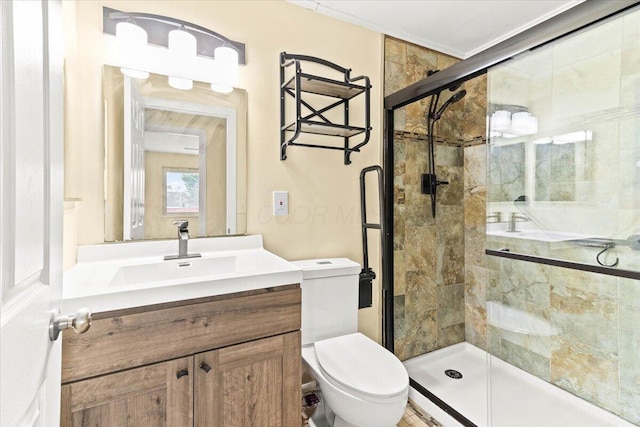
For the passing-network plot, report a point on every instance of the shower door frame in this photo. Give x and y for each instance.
(576, 19)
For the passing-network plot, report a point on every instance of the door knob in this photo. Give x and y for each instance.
(79, 322)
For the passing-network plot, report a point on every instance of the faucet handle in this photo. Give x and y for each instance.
(182, 224)
(496, 215)
(517, 215)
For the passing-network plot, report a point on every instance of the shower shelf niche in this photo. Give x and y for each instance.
(332, 94)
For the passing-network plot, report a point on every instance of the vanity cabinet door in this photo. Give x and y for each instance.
(251, 384)
(154, 395)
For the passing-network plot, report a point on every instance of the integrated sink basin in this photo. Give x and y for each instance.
(540, 235)
(500, 230)
(123, 275)
(180, 269)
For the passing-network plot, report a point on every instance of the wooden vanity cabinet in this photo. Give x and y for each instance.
(147, 396)
(231, 360)
(246, 385)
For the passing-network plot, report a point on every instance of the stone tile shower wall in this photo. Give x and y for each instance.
(429, 254)
(593, 351)
(475, 260)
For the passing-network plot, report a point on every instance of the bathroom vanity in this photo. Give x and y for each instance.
(224, 359)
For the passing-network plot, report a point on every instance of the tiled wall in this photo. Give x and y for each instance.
(475, 195)
(594, 349)
(506, 172)
(429, 253)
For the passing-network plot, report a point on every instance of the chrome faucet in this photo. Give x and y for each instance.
(514, 218)
(183, 240)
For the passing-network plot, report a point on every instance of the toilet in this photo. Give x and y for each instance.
(362, 383)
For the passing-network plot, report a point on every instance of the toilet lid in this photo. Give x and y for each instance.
(358, 363)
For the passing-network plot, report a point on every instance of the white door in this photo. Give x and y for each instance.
(133, 194)
(30, 210)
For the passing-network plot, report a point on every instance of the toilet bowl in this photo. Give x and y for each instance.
(362, 383)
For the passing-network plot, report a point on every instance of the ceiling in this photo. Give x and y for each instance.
(460, 28)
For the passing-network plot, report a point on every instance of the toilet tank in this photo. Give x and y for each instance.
(329, 298)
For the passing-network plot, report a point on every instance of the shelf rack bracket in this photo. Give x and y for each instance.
(316, 122)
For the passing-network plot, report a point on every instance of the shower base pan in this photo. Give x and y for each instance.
(518, 398)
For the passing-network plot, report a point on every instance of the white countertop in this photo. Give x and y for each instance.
(90, 283)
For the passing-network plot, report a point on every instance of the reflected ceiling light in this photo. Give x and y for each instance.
(523, 123)
(131, 42)
(182, 52)
(500, 121)
(573, 137)
(225, 74)
(512, 120)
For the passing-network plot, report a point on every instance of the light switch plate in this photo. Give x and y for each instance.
(280, 203)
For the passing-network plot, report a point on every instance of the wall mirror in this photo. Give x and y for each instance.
(580, 169)
(564, 172)
(506, 173)
(545, 171)
(172, 154)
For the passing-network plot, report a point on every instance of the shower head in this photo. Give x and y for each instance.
(458, 96)
(455, 98)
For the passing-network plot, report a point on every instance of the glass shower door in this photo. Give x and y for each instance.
(563, 204)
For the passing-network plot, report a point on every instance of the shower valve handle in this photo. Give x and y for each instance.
(429, 183)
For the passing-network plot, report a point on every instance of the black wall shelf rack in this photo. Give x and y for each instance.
(337, 94)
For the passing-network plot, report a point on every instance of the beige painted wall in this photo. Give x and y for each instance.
(323, 193)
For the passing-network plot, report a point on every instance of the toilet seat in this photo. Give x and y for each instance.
(361, 366)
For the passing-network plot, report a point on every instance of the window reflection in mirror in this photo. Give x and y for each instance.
(181, 192)
(172, 154)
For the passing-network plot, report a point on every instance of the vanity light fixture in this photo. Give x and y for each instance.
(131, 42)
(500, 121)
(511, 121)
(182, 53)
(523, 123)
(225, 69)
(193, 52)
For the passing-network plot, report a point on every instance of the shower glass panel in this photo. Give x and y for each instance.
(563, 183)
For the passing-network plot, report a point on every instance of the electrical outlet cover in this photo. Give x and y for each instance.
(280, 203)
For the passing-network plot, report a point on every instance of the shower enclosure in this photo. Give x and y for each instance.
(578, 169)
(518, 304)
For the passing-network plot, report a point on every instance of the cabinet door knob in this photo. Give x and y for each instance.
(181, 373)
(205, 367)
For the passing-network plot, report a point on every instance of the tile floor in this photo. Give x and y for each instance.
(413, 416)
(416, 417)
